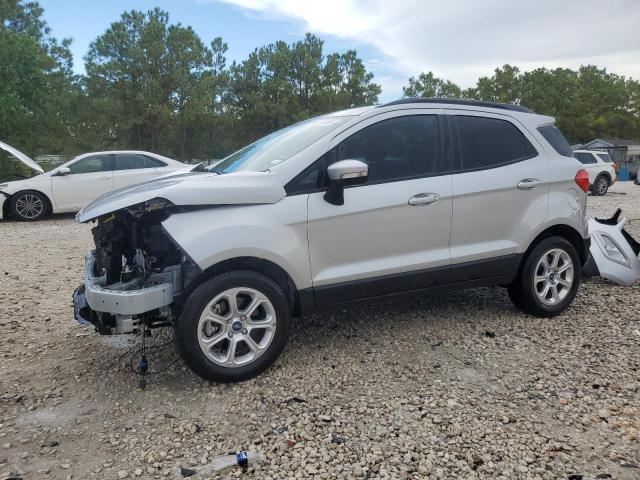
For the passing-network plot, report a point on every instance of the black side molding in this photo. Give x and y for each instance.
(496, 271)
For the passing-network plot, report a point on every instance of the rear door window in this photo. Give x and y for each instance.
(134, 161)
(585, 158)
(490, 142)
(605, 157)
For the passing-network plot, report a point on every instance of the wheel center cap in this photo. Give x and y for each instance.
(236, 326)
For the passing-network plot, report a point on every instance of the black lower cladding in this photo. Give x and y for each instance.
(495, 271)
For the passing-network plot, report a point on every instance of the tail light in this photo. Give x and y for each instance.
(582, 179)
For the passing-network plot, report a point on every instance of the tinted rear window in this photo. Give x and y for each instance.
(134, 161)
(585, 158)
(490, 142)
(605, 157)
(556, 139)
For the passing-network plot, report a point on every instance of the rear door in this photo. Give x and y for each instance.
(396, 226)
(88, 178)
(133, 168)
(500, 190)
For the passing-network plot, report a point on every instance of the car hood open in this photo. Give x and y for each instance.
(192, 189)
(21, 157)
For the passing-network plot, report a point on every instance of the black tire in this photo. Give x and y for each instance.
(38, 201)
(187, 328)
(601, 186)
(523, 292)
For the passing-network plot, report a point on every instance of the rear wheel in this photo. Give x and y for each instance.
(234, 326)
(549, 278)
(600, 186)
(28, 205)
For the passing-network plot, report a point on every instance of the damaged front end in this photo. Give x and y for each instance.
(614, 252)
(136, 274)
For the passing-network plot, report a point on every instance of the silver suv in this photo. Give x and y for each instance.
(416, 196)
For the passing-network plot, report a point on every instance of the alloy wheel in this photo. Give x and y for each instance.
(29, 206)
(602, 186)
(554, 276)
(236, 327)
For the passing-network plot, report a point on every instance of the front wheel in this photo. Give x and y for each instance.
(600, 186)
(234, 326)
(549, 278)
(28, 205)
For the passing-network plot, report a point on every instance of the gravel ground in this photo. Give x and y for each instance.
(460, 385)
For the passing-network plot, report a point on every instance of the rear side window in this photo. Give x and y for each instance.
(134, 161)
(556, 139)
(585, 158)
(605, 157)
(490, 142)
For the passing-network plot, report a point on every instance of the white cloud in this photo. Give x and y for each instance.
(462, 40)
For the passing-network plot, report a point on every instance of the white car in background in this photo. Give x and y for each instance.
(599, 165)
(69, 187)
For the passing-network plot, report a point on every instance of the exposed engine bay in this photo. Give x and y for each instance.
(133, 255)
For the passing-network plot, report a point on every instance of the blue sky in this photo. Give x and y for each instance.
(242, 29)
(459, 40)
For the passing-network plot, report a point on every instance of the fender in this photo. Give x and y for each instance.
(275, 232)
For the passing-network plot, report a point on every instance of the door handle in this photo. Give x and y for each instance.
(424, 199)
(528, 184)
(105, 178)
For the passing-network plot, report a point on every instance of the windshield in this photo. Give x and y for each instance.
(280, 146)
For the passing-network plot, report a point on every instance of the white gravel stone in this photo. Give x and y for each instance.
(413, 388)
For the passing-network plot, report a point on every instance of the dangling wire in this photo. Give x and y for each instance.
(140, 352)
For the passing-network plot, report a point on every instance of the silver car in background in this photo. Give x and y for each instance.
(411, 197)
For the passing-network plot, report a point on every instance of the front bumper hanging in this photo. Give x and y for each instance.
(155, 292)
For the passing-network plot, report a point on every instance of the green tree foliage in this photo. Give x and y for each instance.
(428, 85)
(37, 90)
(279, 84)
(154, 85)
(148, 85)
(587, 103)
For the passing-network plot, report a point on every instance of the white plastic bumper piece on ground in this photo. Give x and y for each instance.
(612, 252)
(122, 302)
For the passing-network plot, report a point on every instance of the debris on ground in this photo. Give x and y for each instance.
(387, 391)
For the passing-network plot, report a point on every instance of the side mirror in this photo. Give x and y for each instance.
(63, 171)
(341, 174)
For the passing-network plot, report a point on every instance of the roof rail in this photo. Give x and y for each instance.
(457, 101)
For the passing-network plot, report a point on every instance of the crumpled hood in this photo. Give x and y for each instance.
(192, 188)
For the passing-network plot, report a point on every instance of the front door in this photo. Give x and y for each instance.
(88, 178)
(395, 227)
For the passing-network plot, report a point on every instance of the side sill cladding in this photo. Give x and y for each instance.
(496, 271)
